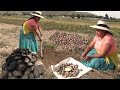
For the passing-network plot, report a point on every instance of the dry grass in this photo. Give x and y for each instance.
(9, 38)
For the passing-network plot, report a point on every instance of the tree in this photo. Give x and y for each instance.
(83, 16)
(73, 16)
(78, 15)
(50, 16)
(106, 16)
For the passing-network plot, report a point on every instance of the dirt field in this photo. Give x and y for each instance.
(9, 42)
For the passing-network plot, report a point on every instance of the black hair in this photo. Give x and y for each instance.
(31, 17)
(109, 33)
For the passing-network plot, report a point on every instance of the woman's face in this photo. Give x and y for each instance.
(100, 33)
(37, 18)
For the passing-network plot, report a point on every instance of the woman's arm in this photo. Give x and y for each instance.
(105, 48)
(40, 30)
(91, 45)
(37, 32)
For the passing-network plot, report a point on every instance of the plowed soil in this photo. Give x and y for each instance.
(9, 41)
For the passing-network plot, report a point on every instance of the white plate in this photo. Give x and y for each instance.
(73, 61)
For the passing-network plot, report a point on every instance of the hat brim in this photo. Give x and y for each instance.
(37, 15)
(99, 27)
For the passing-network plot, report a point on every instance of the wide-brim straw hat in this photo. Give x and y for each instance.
(102, 26)
(37, 13)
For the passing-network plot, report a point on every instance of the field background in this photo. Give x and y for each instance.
(9, 39)
(66, 24)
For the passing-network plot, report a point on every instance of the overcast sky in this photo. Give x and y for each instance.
(115, 14)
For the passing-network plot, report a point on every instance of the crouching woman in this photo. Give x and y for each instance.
(101, 53)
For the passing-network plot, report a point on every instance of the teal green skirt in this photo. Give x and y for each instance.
(28, 41)
(98, 63)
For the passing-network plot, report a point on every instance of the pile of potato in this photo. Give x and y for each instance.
(68, 41)
(72, 72)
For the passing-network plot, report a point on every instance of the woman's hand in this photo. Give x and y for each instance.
(82, 56)
(40, 40)
(41, 34)
(87, 58)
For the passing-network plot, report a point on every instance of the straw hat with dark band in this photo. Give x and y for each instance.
(101, 25)
(37, 13)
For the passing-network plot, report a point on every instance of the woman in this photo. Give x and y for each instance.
(101, 54)
(31, 32)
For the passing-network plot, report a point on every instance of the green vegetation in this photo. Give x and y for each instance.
(66, 24)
